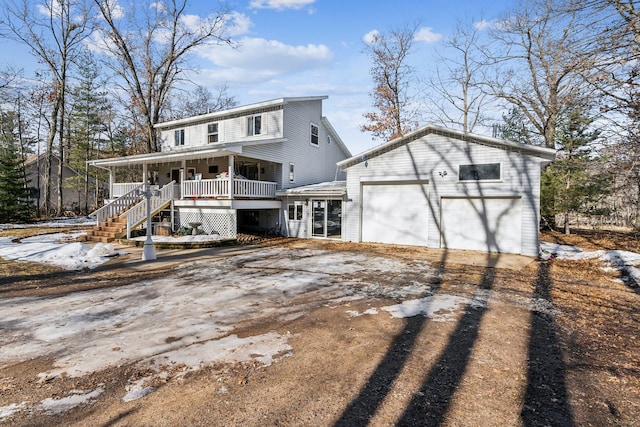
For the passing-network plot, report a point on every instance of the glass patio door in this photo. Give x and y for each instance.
(327, 218)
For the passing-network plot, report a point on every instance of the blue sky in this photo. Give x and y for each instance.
(315, 47)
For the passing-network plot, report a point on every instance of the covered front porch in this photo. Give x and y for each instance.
(196, 174)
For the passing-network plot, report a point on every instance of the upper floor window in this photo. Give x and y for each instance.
(479, 172)
(315, 132)
(212, 132)
(178, 137)
(254, 125)
(328, 139)
(292, 172)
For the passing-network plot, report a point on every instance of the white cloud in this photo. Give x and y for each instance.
(117, 11)
(50, 8)
(237, 24)
(280, 4)
(482, 25)
(258, 60)
(426, 35)
(371, 36)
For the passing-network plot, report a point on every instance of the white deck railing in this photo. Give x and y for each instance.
(122, 188)
(134, 195)
(220, 188)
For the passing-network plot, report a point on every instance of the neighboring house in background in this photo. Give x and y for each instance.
(220, 171)
(73, 199)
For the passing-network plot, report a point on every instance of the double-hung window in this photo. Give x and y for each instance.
(178, 137)
(254, 125)
(212, 132)
(315, 135)
(292, 172)
(479, 172)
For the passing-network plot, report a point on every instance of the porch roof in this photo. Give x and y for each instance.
(209, 151)
(321, 189)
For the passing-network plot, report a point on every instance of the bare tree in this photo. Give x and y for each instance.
(54, 32)
(202, 101)
(455, 88)
(536, 67)
(392, 76)
(148, 52)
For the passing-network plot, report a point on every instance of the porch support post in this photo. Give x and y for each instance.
(231, 173)
(183, 171)
(144, 173)
(112, 180)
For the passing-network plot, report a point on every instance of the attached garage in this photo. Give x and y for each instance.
(441, 188)
(492, 224)
(395, 213)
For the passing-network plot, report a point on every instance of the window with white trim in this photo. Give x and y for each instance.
(479, 172)
(315, 135)
(328, 139)
(254, 125)
(178, 137)
(212, 132)
(295, 211)
(292, 175)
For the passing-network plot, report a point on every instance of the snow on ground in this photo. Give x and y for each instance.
(185, 321)
(57, 249)
(61, 222)
(623, 261)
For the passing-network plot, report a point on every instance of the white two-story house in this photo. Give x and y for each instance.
(219, 172)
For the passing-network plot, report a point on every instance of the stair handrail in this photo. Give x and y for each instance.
(116, 206)
(138, 213)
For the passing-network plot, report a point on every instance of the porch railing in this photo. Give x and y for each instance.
(122, 188)
(220, 188)
(133, 196)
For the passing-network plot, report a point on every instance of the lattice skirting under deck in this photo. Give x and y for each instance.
(214, 221)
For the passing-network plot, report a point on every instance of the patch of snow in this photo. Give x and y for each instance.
(622, 261)
(198, 238)
(61, 222)
(137, 390)
(356, 313)
(51, 249)
(60, 406)
(9, 410)
(439, 308)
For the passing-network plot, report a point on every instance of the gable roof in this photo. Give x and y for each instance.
(545, 154)
(237, 111)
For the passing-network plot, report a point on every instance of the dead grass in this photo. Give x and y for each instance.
(499, 365)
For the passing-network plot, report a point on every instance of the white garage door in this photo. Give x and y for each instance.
(395, 213)
(484, 224)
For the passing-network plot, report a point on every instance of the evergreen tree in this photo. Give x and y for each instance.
(85, 128)
(15, 205)
(576, 180)
(515, 127)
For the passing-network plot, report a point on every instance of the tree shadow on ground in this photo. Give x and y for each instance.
(429, 406)
(546, 401)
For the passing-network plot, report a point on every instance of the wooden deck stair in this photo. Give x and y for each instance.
(108, 231)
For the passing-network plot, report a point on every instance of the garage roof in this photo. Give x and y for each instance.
(546, 154)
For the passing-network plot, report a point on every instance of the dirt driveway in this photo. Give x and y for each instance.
(317, 333)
